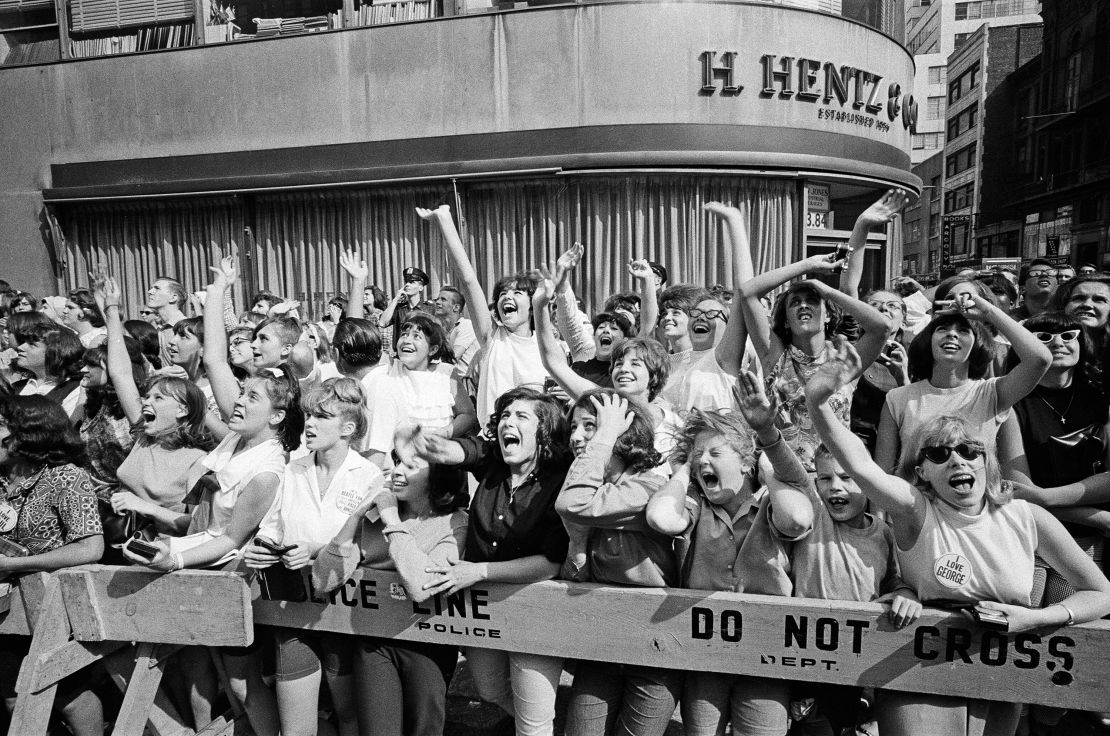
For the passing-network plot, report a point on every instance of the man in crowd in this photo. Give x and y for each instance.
(409, 299)
(449, 306)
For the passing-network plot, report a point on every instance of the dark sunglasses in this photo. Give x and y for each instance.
(1066, 336)
(1043, 272)
(939, 454)
(709, 314)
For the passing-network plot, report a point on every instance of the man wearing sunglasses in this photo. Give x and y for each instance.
(1039, 281)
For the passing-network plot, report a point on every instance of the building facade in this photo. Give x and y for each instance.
(934, 30)
(921, 223)
(610, 124)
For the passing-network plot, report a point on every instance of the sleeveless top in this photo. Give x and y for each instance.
(787, 379)
(985, 557)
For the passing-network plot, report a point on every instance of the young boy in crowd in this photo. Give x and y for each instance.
(846, 554)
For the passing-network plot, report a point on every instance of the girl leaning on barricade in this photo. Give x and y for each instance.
(265, 423)
(319, 493)
(957, 504)
(48, 521)
(415, 526)
(603, 503)
(514, 535)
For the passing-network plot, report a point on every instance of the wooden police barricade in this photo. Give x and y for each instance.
(83, 615)
(796, 639)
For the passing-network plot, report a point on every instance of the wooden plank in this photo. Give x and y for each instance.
(26, 600)
(141, 690)
(80, 602)
(70, 657)
(33, 706)
(162, 718)
(184, 607)
(226, 725)
(796, 639)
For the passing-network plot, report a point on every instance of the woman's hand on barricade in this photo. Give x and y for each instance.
(162, 561)
(296, 558)
(456, 576)
(124, 501)
(259, 558)
(1018, 618)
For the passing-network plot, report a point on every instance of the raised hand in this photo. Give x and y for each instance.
(836, 372)
(98, 277)
(354, 266)
(824, 264)
(442, 211)
(567, 262)
(719, 209)
(614, 416)
(640, 270)
(113, 297)
(753, 402)
(896, 360)
(227, 273)
(545, 290)
(889, 205)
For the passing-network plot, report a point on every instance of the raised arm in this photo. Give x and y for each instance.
(642, 276)
(793, 510)
(358, 273)
(476, 300)
(1034, 355)
(730, 351)
(890, 493)
(567, 316)
(874, 324)
(554, 362)
(877, 215)
(225, 388)
(106, 291)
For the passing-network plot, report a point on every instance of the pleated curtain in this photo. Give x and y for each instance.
(140, 241)
(508, 226)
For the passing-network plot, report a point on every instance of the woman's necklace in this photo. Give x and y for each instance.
(1062, 415)
(803, 358)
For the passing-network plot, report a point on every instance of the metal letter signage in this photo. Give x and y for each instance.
(726, 70)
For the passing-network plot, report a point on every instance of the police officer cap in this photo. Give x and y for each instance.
(412, 273)
(658, 270)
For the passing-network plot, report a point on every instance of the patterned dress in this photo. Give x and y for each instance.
(54, 506)
(786, 383)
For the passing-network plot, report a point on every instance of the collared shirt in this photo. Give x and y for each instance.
(509, 523)
(464, 344)
(302, 514)
(55, 506)
(402, 312)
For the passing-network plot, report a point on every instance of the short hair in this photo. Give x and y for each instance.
(655, 357)
(189, 327)
(379, 299)
(338, 301)
(921, 349)
(552, 435)
(1033, 263)
(147, 335)
(285, 395)
(682, 296)
(948, 430)
(288, 328)
(615, 318)
(433, 332)
(524, 281)
(30, 326)
(944, 288)
(779, 324)
(266, 296)
(105, 396)
(24, 296)
(628, 300)
(41, 433)
(730, 425)
(64, 352)
(343, 397)
(1088, 371)
(636, 445)
(84, 299)
(999, 284)
(456, 296)
(176, 288)
(190, 430)
(357, 342)
(1060, 297)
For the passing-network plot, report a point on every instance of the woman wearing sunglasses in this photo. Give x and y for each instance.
(949, 362)
(960, 537)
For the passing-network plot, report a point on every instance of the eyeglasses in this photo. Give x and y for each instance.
(1041, 272)
(240, 341)
(887, 306)
(939, 454)
(709, 314)
(1066, 336)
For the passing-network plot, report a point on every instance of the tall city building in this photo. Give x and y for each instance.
(936, 28)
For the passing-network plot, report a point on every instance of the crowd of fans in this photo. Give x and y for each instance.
(820, 444)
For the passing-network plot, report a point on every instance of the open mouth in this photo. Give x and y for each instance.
(709, 480)
(509, 307)
(1084, 312)
(148, 415)
(509, 439)
(406, 348)
(837, 503)
(605, 340)
(950, 346)
(962, 482)
(804, 316)
(700, 328)
(1044, 283)
(236, 415)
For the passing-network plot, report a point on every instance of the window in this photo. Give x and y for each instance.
(1071, 82)
(961, 39)
(959, 198)
(960, 161)
(935, 108)
(964, 83)
(927, 141)
(937, 74)
(934, 225)
(969, 11)
(963, 121)
(934, 260)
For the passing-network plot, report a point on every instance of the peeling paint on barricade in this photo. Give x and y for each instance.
(824, 641)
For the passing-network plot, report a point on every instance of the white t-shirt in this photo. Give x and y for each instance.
(916, 405)
(401, 396)
(508, 361)
(301, 514)
(706, 385)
